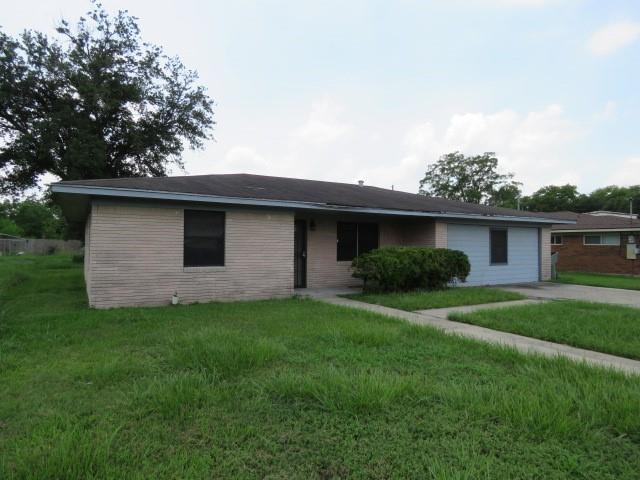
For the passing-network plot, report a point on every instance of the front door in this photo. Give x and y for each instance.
(300, 254)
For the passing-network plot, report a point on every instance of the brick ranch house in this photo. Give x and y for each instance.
(238, 237)
(602, 242)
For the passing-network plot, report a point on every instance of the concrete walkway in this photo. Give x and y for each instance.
(561, 291)
(444, 312)
(519, 342)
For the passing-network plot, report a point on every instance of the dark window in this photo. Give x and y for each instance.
(355, 239)
(556, 239)
(592, 240)
(347, 241)
(498, 246)
(203, 238)
(367, 237)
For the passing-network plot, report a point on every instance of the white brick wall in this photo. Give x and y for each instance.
(136, 257)
(87, 255)
(323, 269)
(545, 253)
(134, 254)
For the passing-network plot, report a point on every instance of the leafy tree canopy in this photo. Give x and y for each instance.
(96, 101)
(555, 198)
(615, 198)
(473, 179)
(32, 218)
(9, 227)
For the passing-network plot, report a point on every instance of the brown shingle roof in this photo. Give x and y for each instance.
(585, 221)
(298, 190)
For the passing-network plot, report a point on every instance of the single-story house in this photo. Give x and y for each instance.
(232, 237)
(602, 242)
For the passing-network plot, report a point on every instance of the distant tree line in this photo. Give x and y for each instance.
(32, 218)
(476, 179)
(557, 198)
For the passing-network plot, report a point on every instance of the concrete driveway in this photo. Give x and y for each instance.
(545, 290)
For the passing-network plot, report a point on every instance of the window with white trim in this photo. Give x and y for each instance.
(556, 239)
(608, 238)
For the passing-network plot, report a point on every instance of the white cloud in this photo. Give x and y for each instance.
(625, 173)
(613, 37)
(609, 110)
(528, 144)
(244, 159)
(507, 3)
(531, 144)
(323, 125)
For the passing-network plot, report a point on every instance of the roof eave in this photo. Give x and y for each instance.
(86, 190)
(595, 230)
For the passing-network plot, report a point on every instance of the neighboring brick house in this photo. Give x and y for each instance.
(602, 242)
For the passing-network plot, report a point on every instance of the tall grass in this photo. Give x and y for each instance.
(424, 300)
(224, 355)
(595, 326)
(285, 389)
(352, 392)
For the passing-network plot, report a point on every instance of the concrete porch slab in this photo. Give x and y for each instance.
(326, 292)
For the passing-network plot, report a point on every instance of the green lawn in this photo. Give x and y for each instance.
(423, 300)
(600, 280)
(285, 389)
(595, 326)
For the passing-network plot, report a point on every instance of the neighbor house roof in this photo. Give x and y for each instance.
(587, 222)
(259, 190)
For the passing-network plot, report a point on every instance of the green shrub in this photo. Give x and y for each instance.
(410, 268)
(78, 258)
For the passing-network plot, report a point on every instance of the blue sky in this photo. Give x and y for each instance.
(377, 90)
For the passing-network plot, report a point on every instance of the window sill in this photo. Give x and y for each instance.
(499, 264)
(208, 269)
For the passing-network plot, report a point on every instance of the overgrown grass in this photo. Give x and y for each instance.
(600, 280)
(423, 300)
(285, 389)
(594, 326)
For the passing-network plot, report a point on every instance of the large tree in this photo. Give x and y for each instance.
(472, 179)
(95, 102)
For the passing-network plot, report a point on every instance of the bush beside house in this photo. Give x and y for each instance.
(410, 268)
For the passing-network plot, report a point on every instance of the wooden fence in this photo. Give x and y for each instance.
(37, 246)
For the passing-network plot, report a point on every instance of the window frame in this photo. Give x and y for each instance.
(222, 255)
(357, 242)
(556, 235)
(506, 240)
(602, 236)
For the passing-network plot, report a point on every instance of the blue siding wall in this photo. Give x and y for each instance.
(523, 253)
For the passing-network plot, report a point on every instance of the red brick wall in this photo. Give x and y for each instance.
(574, 256)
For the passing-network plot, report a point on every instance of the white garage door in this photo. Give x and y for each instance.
(522, 254)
